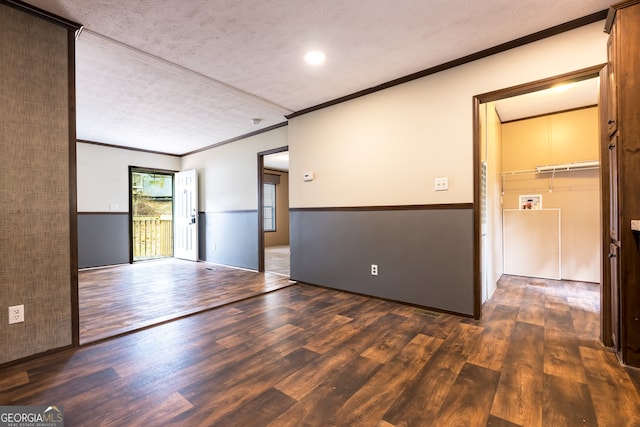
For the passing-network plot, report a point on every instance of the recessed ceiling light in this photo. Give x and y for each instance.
(314, 57)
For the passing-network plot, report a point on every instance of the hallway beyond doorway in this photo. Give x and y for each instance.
(277, 259)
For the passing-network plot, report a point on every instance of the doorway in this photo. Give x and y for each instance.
(490, 196)
(273, 228)
(151, 220)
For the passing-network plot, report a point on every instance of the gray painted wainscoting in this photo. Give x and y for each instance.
(229, 238)
(103, 239)
(424, 256)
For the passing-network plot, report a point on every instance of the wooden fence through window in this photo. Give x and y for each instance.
(152, 237)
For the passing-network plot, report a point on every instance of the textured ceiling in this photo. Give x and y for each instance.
(175, 76)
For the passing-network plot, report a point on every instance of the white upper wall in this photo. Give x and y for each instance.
(103, 175)
(387, 148)
(228, 174)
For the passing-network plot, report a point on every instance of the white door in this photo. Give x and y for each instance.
(484, 243)
(185, 216)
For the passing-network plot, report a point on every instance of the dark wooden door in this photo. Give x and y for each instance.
(615, 296)
(612, 98)
(614, 229)
(614, 243)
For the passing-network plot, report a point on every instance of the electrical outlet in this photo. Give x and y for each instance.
(442, 184)
(374, 269)
(16, 314)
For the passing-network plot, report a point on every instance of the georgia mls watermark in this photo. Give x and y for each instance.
(31, 416)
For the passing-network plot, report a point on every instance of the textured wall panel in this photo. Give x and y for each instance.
(34, 184)
(424, 257)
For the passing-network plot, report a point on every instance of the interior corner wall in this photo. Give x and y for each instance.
(103, 200)
(35, 184)
(228, 197)
(415, 132)
(280, 236)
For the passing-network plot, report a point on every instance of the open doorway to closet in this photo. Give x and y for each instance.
(537, 184)
(274, 213)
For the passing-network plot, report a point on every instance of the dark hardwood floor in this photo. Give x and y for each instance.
(119, 299)
(308, 356)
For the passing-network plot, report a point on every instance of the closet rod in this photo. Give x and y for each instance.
(530, 171)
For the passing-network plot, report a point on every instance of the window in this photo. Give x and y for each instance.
(269, 207)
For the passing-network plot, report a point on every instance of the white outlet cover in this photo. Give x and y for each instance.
(442, 184)
(16, 314)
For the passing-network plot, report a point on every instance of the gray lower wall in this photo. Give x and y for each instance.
(103, 239)
(424, 256)
(229, 238)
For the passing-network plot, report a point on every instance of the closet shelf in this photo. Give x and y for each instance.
(562, 167)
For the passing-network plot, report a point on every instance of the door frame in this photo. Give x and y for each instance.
(574, 76)
(145, 170)
(261, 156)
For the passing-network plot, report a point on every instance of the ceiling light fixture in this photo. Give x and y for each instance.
(314, 57)
(563, 87)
